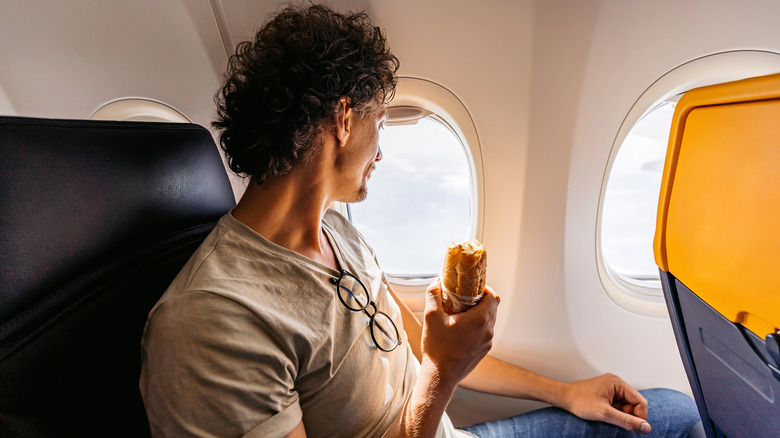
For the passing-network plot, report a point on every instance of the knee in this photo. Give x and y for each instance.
(670, 398)
(672, 408)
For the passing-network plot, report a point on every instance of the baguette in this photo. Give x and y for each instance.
(463, 276)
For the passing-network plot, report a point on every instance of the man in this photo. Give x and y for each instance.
(282, 323)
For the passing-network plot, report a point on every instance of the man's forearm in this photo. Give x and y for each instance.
(494, 376)
(449, 347)
(425, 407)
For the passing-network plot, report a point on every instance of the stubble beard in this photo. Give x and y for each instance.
(362, 193)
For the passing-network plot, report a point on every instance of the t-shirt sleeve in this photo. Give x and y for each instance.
(211, 368)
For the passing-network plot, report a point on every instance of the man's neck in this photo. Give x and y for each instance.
(288, 211)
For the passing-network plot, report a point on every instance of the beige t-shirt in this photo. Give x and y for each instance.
(251, 338)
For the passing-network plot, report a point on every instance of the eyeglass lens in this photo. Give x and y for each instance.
(384, 332)
(352, 293)
(354, 296)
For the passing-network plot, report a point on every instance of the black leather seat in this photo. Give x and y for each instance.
(96, 218)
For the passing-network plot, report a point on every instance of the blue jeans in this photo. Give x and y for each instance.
(670, 414)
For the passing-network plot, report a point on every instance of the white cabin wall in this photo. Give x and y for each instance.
(246, 16)
(534, 327)
(482, 57)
(634, 44)
(547, 83)
(547, 112)
(543, 334)
(65, 59)
(509, 63)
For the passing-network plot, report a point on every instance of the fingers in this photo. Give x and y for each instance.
(456, 343)
(491, 297)
(609, 399)
(627, 421)
(480, 319)
(629, 408)
(488, 305)
(491, 291)
(433, 296)
(633, 401)
(639, 402)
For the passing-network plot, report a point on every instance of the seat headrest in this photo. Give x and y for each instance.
(96, 219)
(72, 189)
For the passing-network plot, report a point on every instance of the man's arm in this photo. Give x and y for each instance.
(604, 398)
(449, 347)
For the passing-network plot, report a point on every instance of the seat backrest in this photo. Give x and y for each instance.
(717, 245)
(96, 218)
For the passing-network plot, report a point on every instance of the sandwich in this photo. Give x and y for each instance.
(463, 276)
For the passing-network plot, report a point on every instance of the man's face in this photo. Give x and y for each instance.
(366, 151)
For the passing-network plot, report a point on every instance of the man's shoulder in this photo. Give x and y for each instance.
(229, 261)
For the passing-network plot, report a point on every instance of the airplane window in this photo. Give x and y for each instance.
(631, 200)
(628, 204)
(419, 196)
(139, 109)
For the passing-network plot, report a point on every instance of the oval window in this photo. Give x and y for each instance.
(629, 195)
(631, 199)
(139, 109)
(419, 197)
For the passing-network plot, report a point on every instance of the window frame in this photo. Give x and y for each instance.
(439, 103)
(642, 288)
(139, 109)
(707, 70)
(409, 115)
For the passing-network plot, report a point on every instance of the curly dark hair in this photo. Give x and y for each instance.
(284, 87)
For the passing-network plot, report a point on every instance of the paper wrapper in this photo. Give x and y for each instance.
(463, 276)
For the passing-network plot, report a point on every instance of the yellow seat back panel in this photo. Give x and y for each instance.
(719, 214)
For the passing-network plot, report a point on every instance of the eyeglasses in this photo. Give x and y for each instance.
(354, 295)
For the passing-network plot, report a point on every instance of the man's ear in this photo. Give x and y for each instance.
(344, 117)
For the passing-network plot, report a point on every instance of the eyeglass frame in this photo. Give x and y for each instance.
(369, 302)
